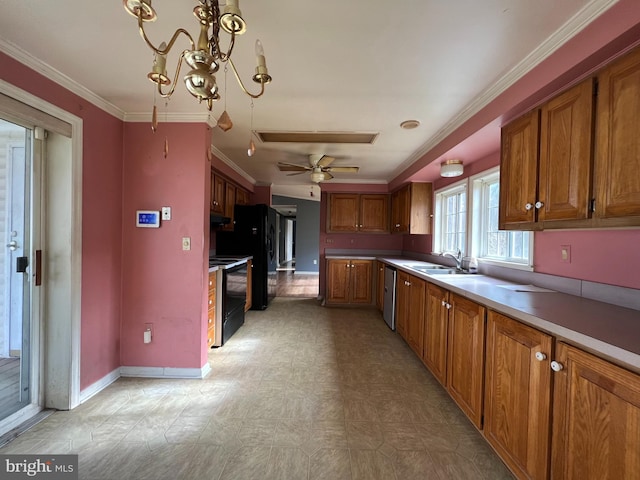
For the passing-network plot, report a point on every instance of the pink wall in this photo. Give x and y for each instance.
(101, 219)
(162, 284)
(604, 256)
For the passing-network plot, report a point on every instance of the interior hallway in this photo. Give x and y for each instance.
(300, 392)
(291, 284)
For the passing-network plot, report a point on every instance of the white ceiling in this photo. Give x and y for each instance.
(357, 65)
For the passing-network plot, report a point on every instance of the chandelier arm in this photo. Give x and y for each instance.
(175, 78)
(143, 34)
(244, 89)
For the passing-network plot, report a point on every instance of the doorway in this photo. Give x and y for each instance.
(16, 225)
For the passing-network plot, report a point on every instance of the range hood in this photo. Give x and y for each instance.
(216, 220)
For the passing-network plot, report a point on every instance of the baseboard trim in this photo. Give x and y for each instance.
(165, 372)
(100, 385)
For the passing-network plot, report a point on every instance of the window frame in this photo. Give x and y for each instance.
(475, 220)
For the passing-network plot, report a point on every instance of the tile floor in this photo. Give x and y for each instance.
(300, 392)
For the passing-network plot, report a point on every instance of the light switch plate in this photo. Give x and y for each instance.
(565, 253)
(166, 213)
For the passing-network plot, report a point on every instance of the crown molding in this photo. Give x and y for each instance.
(226, 160)
(571, 28)
(58, 77)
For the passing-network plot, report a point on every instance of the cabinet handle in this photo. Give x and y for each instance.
(448, 306)
(528, 206)
(443, 303)
(210, 302)
(556, 366)
(539, 205)
(210, 320)
(540, 356)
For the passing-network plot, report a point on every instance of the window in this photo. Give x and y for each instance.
(451, 215)
(477, 234)
(490, 242)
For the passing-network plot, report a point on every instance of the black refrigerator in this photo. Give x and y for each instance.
(254, 233)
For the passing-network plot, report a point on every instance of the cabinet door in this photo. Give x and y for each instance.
(242, 197)
(229, 203)
(415, 319)
(249, 300)
(566, 141)
(436, 331)
(217, 193)
(596, 418)
(343, 212)
(519, 170)
(374, 213)
(361, 281)
(420, 208)
(402, 303)
(465, 359)
(338, 273)
(618, 142)
(400, 210)
(380, 286)
(518, 395)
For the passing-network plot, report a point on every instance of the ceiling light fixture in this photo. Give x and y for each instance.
(451, 168)
(204, 56)
(410, 124)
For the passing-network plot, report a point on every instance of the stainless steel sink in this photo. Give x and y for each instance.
(434, 269)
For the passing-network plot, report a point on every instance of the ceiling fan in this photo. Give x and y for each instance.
(318, 166)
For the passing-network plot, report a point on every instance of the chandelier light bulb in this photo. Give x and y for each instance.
(259, 49)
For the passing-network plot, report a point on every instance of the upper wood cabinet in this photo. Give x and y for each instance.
(596, 418)
(546, 167)
(618, 141)
(217, 193)
(352, 212)
(242, 196)
(517, 394)
(349, 281)
(411, 209)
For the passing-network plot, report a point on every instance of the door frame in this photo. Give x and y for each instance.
(62, 368)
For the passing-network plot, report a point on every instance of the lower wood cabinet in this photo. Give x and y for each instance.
(517, 392)
(410, 310)
(380, 286)
(465, 356)
(436, 330)
(596, 418)
(349, 281)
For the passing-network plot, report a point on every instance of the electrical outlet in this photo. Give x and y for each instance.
(565, 253)
(315, 262)
(166, 213)
(148, 332)
(186, 243)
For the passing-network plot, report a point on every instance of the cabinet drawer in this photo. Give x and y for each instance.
(210, 335)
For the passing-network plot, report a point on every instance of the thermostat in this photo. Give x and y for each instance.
(148, 218)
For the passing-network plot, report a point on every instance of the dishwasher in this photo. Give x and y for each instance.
(389, 306)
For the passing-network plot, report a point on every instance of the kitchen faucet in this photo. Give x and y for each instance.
(457, 258)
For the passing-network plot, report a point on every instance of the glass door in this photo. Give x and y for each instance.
(15, 225)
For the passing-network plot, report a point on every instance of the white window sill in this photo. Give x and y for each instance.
(502, 263)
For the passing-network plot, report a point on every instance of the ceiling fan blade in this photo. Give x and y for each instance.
(343, 169)
(327, 176)
(325, 161)
(296, 173)
(291, 167)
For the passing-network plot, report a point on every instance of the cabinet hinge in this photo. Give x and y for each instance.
(592, 206)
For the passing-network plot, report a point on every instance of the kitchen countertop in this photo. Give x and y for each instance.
(227, 262)
(608, 330)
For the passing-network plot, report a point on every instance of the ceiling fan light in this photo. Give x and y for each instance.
(317, 177)
(451, 168)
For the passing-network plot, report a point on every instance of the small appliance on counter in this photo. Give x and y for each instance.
(254, 234)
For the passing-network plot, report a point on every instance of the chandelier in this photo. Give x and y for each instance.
(205, 55)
